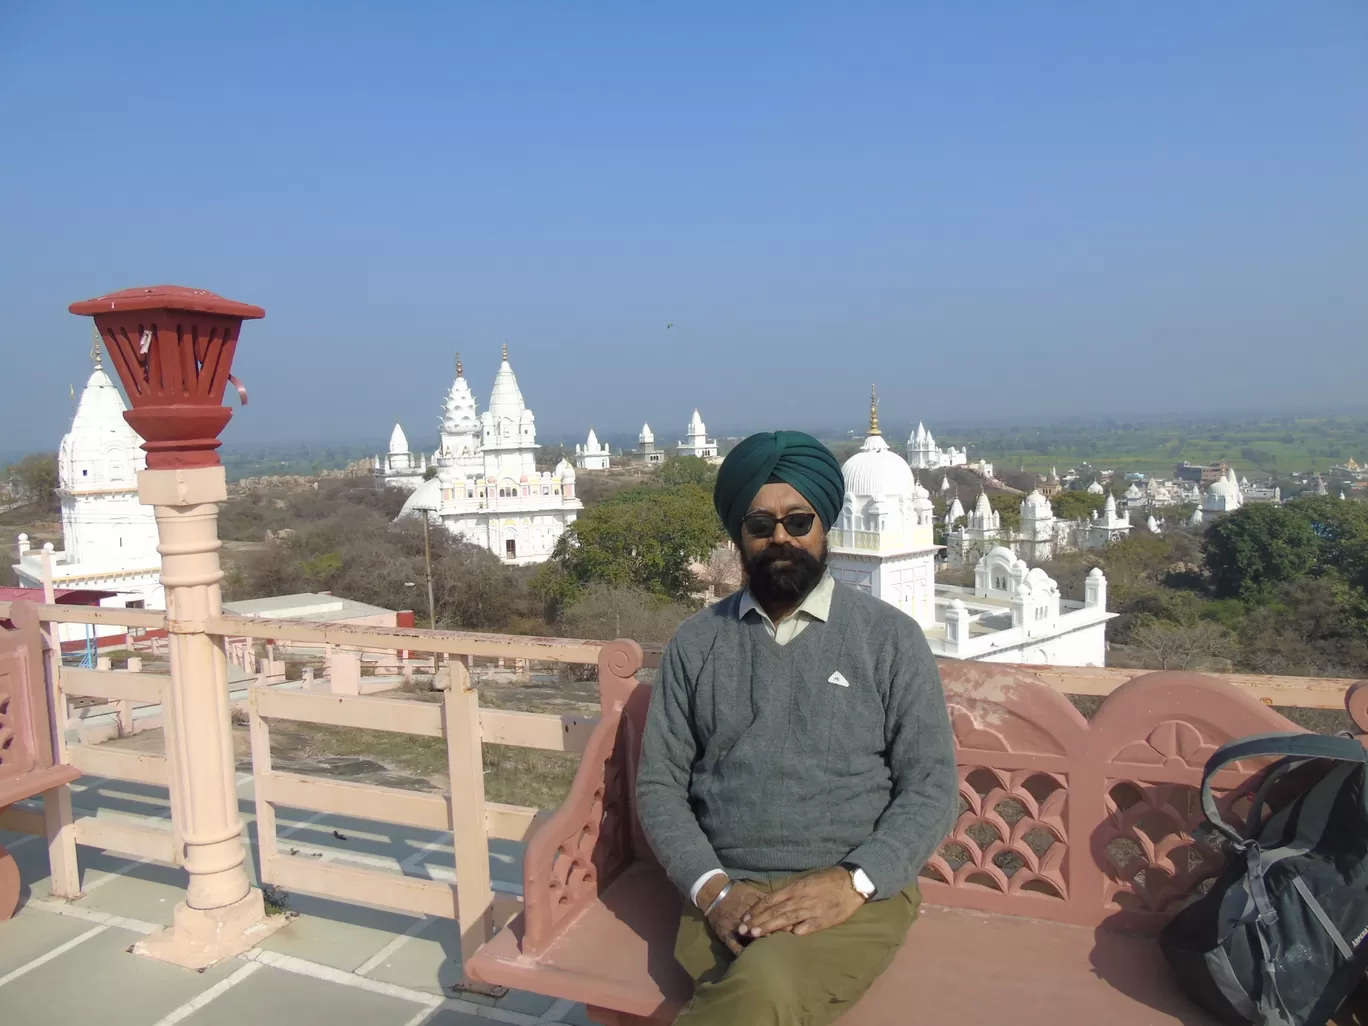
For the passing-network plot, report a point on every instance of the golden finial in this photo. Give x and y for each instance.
(459, 371)
(96, 353)
(505, 350)
(874, 411)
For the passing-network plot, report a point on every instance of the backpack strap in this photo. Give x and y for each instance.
(1293, 748)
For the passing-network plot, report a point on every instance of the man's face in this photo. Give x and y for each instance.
(782, 567)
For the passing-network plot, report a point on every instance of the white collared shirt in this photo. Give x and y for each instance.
(817, 606)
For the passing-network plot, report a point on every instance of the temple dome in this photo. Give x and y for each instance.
(876, 471)
(398, 440)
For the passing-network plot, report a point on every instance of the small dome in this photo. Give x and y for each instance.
(646, 435)
(876, 470)
(1095, 489)
(427, 496)
(1095, 573)
(398, 440)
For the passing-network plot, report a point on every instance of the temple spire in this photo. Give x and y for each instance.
(505, 356)
(460, 372)
(874, 411)
(96, 353)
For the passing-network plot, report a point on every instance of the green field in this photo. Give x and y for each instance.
(1254, 447)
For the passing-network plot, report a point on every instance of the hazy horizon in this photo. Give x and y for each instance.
(997, 213)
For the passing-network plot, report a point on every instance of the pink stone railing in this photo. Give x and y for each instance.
(1087, 821)
(1062, 818)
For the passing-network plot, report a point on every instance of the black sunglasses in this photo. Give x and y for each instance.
(763, 525)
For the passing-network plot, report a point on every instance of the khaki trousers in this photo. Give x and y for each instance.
(783, 980)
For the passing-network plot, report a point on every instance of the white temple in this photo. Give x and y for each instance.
(400, 468)
(591, 455)
(924, 454)
(1223, 496)
(109, 538)
(883, 544)
(883, 541)
(646, 451)
(484, 485)
(697, 443)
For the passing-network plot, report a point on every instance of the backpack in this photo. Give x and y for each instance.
(1278, 940)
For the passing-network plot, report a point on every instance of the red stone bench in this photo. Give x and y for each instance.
(26, 761)
(1073, 846)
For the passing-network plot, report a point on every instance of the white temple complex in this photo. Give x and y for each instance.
(109, 538)
(592, 455)
(924, 454)
(883, 544)
(484, 485)
(697, 443)
(1042, 535)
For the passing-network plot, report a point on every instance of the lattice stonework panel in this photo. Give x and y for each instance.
(1010, 836)
(582, 860)
(1156, 858)
(16, 757)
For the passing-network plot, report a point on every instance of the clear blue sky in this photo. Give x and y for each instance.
(994, 209)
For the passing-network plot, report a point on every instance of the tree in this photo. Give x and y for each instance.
(1258, 547)
(1341, 530)
(680, 470)
(1166, 645)
(1076, 505)
(648, 538)
(1008, 508)
(37, 477)
(603, 612)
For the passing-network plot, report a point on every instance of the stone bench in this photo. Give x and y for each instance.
(1073, 846)
(26, 758)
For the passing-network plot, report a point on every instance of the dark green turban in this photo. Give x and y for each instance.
(793, 457)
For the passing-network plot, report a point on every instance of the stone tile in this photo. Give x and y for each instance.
(429, 961)
(526, 1002)
(271, 996)
(148, 891)
(32, 933)
(455, 1017)
(99, 981)
(336, 934)
(577, 1016)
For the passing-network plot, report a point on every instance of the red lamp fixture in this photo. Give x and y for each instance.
(172, 348)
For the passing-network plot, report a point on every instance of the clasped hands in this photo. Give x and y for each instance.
(815, 901)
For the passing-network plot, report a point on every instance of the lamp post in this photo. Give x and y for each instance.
(173, 348)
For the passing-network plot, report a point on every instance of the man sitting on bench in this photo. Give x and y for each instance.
(798, 766)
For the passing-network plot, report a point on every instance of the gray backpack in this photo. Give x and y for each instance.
(1278, 940)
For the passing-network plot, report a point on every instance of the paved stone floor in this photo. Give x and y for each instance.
(333, 965)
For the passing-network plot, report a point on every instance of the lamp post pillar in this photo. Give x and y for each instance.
(173, 350)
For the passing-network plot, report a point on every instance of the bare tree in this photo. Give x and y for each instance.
(1179, 646)
(721, 571)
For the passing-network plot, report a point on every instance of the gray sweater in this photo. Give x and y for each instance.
(756, 762)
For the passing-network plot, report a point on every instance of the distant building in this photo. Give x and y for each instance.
(1224, 496)
(646, 451)
(485, 486)
(697, 443)
(1203, 476)
(592, 455)
(924, 454)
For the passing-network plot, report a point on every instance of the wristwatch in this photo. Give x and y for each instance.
(859, 879)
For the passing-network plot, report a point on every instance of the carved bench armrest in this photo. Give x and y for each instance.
(581, 847)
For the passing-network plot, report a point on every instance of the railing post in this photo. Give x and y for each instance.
(470, 838)
(222, 914)
(58, 820)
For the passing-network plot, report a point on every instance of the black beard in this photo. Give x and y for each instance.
(789, 581)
